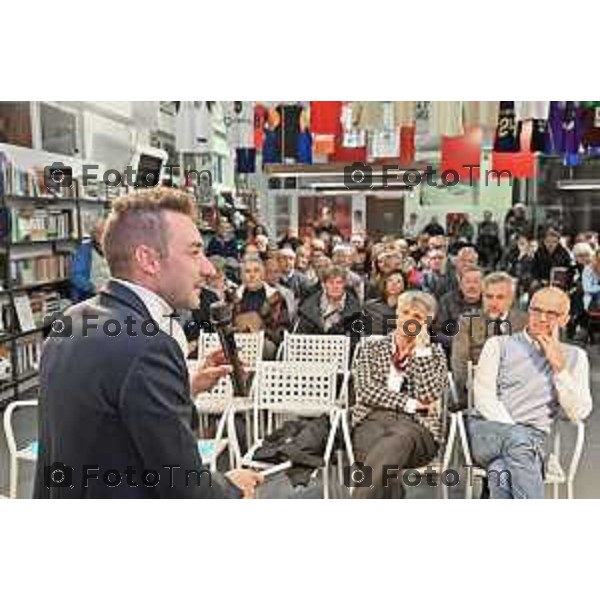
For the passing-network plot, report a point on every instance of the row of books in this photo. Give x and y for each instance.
(29, 352)
(41, 224)
(28, 271)
(31, 310)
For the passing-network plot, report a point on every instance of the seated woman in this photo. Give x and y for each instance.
(383, 310)
(259, 307)
(399, 382)
(329, 309)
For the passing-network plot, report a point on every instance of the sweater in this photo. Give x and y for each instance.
(514, 383)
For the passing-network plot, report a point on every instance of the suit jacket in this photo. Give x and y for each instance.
(468, 344)
(425, 376)
(119, 403)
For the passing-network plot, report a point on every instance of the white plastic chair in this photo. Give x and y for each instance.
(297, 389)
(220, 400)
(26, 453)
(555, 473)
(322, 349)
(250, 347)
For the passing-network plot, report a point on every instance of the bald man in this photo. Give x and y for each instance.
(522, 382)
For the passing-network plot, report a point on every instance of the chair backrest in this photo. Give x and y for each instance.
(322, 349)
(11, 441)
(295, 382)
(250, 346)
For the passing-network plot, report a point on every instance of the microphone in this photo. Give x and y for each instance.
(221, 319)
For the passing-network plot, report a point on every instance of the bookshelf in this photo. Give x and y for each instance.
(38, 236)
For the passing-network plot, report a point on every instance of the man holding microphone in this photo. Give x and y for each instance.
(115, 406)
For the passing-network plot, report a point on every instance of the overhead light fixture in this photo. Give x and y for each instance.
(578, 184)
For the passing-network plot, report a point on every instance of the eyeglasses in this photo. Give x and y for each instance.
(437, 257)
(538, 312)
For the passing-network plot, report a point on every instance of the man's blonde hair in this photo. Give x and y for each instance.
(138, 219)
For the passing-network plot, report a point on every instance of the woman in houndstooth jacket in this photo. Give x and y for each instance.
(399, 383)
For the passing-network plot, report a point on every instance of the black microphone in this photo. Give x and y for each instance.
(221, 318)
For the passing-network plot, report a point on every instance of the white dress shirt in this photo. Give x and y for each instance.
(572, 386)
(160, 311)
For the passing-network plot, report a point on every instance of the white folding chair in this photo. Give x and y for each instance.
(27, 453)
(297, 389)
(555, 474)
(323, 349)
(220, 400)
(250, 347)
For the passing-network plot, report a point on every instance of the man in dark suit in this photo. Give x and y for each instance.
(115, 408)
(498, 317)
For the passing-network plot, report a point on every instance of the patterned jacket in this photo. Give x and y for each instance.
(425, 376)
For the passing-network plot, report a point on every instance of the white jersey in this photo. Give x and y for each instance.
(353, 137)
(239, 118)
(446, 118)
(193, 127)
(536, 109)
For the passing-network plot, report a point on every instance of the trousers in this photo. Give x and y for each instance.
(389, 438)
(513, 456)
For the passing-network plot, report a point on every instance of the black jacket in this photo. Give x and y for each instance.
(544, 262)
(119, 403)
(310, 319)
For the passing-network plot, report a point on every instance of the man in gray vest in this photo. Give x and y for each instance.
(521, 383)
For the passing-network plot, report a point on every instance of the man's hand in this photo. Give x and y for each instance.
(207, 377)
(216, 358)
(553, 351)
(246, 480)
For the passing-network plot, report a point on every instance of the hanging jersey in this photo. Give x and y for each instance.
(240, 116)
(446, 118)
(407, 145)
(351, 136)
(540, 136)
(527, 110)
(245, 160)
(304, 147)
(404, 113)
(193, 132)
(291, 128)
(325, 117)
(507, 132)
(260, 117)
(591, 120)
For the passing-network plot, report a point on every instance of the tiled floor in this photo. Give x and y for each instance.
(587, 484)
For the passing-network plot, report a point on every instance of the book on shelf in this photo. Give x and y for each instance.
(29, 351)
(37, 225)
(24, 312)
(39, 269)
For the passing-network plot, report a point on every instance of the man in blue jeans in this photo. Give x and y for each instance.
(521, 383)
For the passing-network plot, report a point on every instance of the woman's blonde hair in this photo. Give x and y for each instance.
(424, 301)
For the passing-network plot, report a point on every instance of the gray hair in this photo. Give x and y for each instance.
(583, 248)
(499, 277)
(426, 301)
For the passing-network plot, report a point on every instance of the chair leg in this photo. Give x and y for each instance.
(13, 478)
(347, 438)
(335, 421)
